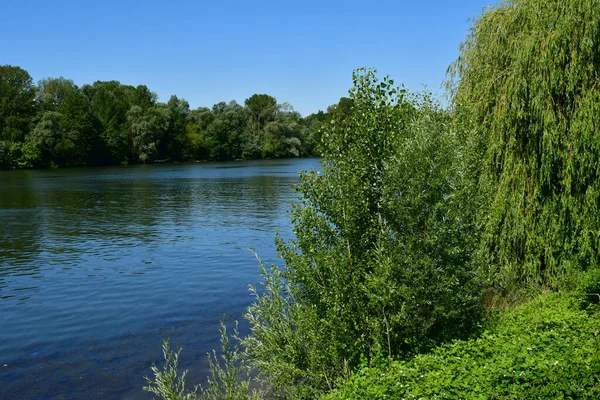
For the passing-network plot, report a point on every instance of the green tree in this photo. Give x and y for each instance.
(146, 129)
(227, 135)
(382, 261)
(344, 106)
(52, 93)
(111, 102)
(18, 155)
(236, 118)
(310, 131)
(143, 97)
(180, 115)
(59, 124)
(17, 111)
(263, 109)
(281, 137)
(110, 108)
(17, 106)
(527, 102)
(53, 139)
(196, 147)
(65, 133)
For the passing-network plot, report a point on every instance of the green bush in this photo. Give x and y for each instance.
(547, 349)
(381, 263)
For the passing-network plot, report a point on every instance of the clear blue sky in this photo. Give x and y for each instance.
(301, 52)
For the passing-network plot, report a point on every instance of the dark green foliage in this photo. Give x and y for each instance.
(311, 127)
(17, 109)
(147, 130)
(262, 109)
(230, 133)
(343, 107)
(57, 124)
(53, 139)
(281, 137)
(64, 133)
(381, 264)
(547, 349)
(17, 105)
(179, 116)
(110, 103)
(18, 155)
(527, 101)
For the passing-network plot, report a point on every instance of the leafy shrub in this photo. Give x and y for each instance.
(382, 261)
(549, 348)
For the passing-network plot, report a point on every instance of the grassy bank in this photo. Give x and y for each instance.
(547, 348)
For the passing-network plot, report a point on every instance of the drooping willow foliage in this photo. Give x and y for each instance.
(527, 99)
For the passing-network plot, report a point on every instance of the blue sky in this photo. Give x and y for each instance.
(301, 52)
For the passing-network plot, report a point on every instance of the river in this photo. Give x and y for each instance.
(98, 266)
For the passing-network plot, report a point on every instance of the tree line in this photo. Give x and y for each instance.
(58, 124)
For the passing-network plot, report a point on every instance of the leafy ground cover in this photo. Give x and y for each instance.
(545, 349)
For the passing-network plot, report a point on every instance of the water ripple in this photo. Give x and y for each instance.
(95, 263)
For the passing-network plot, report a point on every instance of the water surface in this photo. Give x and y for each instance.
(97, 266)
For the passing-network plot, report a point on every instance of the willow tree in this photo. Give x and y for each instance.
(527, 97)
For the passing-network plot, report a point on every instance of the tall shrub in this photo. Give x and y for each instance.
(382, 260)
(527, 99)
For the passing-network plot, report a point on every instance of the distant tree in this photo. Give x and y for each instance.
(196, 145)
(281, 137)
(227, 133)
(343, 107)
(59, 124)
(237, 119)
(111, 102)
(52, 93)
(66, 109)
(143, 97)
(263, 109)
(218, 108)
(174, 142)
(53, 139)
(146, 130)
(311, 132)
(17, 106)
(217, 138)
(314, 118)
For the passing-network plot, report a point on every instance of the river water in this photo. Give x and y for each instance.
(98, 266)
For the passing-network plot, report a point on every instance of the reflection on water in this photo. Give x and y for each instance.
(98, 265)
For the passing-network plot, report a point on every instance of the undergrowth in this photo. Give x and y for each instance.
(547, 348)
